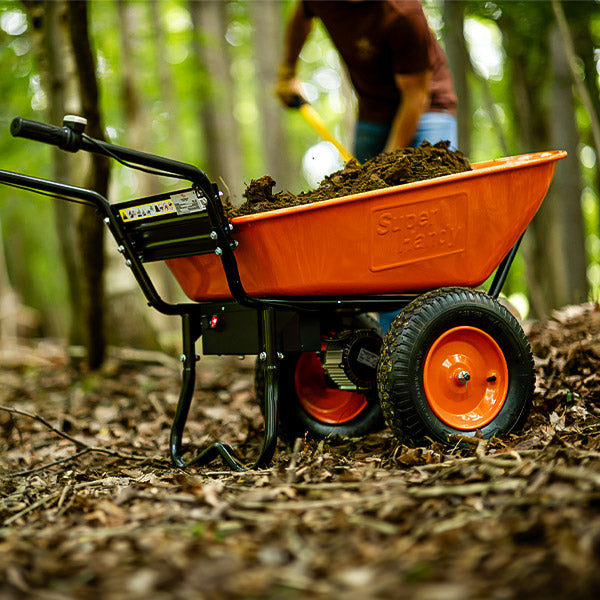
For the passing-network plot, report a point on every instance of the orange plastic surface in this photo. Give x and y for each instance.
(451, 230)
(465, 378)
(322, 402)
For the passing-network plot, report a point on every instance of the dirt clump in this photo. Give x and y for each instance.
(405, 165)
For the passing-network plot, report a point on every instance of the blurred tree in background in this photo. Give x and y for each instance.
(193, 80)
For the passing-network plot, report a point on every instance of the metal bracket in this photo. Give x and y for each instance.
(191, 332)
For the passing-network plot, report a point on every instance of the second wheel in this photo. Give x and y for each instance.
(331, 392)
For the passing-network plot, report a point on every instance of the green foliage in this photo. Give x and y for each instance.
(246, 110)
(514, 35)
(27, 220)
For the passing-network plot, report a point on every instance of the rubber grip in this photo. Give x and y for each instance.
(40, 132)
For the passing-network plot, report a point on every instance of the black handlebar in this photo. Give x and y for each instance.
(63, 137)
(67, 138)
(71, 137)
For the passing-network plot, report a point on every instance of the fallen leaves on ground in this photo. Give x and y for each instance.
(101, 512)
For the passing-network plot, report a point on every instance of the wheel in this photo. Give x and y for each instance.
(455, 361)
(312, 403)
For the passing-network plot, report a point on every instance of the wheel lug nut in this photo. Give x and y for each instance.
(464, 377)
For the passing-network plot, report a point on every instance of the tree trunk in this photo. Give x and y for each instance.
(566, 246)
(267, 17)
(168, 285)
(136, 135)
(130, 322)
(554, 249)
(56, 65)
(90, 226)
(165, 79)
(585, 47)
(224, 160)
(528, 77)
(9, 303)
(566, 40)
(459, 63)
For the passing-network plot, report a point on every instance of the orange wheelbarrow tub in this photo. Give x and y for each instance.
(450, 230)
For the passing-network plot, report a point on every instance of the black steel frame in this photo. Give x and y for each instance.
(191, 313)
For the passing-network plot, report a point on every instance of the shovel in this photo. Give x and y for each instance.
(314, 119)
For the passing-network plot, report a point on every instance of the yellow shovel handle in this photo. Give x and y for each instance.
(312, 116)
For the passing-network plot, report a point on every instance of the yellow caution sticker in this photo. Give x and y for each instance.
(145, 211)
(182, 203)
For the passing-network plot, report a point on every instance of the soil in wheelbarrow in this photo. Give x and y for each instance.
(405, 165)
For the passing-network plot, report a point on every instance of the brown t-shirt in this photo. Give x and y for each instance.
(379, 38)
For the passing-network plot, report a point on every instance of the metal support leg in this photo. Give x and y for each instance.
(190, 335)
(271, 408)
(503, 269)
(191, 332)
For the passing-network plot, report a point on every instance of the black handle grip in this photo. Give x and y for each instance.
(67, 139)
(63, 137)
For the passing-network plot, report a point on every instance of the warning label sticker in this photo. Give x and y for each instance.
(181, 203)
(143, 211)
(188, 202)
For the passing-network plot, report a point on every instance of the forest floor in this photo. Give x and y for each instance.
(91, 507)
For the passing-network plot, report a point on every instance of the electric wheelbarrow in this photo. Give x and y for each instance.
(298, 287)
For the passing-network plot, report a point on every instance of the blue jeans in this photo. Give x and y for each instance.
(370, 139)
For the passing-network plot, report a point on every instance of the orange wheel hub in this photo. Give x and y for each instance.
(465, 378)
(324, 403)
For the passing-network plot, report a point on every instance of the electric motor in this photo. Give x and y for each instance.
(350, 360)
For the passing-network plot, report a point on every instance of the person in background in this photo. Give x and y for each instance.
(397, 67)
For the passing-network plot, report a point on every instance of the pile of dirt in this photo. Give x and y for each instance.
(405, 165)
